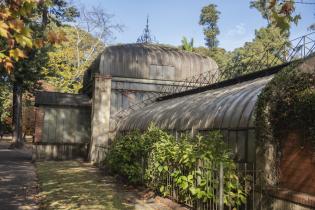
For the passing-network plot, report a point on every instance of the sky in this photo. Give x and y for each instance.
(170, 20)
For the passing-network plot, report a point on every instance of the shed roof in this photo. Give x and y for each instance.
(229, 107)
(61, 99)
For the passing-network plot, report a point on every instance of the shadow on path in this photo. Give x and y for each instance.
(18, 183)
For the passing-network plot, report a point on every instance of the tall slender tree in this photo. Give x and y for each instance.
(208, 19)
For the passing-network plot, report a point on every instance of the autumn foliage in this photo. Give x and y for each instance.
(17, 36)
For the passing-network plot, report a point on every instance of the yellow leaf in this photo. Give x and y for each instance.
(2, 56)
(16, 25)
(4, 29)
(28, 41)
(52, 37)
(27, 32)
(11, 43)
(39, 43)
(16, 54)
(8, 65)
(5, 13)
(23, 40)
(272, 3)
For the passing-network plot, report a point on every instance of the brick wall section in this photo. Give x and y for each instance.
(297, 169)
(39, 122)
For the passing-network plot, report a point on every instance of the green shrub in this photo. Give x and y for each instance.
(192, 163)
(124, 157)
(129, 153)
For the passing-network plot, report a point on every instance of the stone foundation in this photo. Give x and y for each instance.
(60, 151)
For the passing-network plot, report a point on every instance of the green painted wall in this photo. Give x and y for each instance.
(66, 125)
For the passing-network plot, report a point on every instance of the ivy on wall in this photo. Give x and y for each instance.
(286, 103)
(155, 156)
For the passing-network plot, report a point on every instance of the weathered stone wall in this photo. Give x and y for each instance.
(100, 118)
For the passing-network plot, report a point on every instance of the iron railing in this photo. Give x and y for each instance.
(298, 48)
(216, 181)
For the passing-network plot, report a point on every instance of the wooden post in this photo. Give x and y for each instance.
(221, 189)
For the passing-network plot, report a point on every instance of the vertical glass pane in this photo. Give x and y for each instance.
(241, 145)
(233, 143)
(251, 151)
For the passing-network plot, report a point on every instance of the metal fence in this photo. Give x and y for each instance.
(216, 181)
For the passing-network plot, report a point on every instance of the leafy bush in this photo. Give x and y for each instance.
(128, 154)
(192, 163)
(290, 98)
(124, 157)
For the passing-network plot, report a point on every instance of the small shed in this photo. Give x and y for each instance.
(63, 123)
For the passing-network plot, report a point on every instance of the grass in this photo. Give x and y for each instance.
(73, 185)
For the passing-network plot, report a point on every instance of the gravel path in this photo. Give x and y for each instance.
(18, 182)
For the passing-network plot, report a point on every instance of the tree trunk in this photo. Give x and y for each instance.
(17, 116)
(1, 129)
(44, 16)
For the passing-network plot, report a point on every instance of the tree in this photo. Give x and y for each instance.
(208, 19)
(278, 13)
(15, 32)
(219, 55)
(57, 12)
(5, 106)
(312, 27)
(68, 61)
(86, 40)
(187, 45)
(264, 51)
(262, 7)
(25, 41)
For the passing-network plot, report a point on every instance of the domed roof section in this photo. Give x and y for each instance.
(152, 61)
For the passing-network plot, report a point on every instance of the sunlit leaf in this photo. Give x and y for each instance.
(4, 29)
(17, 54)
(39, 43)
(5, 13)
(272, 3)
(23, 40)
(10, 43)
(16, 25)
(287, 8)
(8, 65)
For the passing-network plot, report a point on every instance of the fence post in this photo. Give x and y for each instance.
(221, 189)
